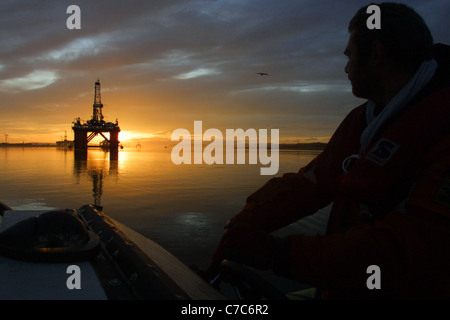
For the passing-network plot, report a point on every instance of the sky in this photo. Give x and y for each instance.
(164, 64)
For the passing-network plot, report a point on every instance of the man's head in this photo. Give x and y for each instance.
(400, 46)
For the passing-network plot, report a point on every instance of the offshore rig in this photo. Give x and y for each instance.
(85, 132)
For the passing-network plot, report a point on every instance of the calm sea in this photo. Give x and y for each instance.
(181, 207)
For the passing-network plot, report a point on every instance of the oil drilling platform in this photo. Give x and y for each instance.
(85, 132)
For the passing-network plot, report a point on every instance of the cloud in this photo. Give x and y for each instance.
(76, 49)
(200, 72)
(163, 63)
(300, 87)
(35, 80)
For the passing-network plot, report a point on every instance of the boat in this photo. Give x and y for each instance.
(116, 263)
(83, 254)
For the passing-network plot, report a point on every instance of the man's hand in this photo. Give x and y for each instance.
(246, 244)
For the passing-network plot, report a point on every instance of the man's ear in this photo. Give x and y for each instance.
(378, 53)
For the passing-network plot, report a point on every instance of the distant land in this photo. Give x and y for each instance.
(303, 146)
(26, 144)
(282, 146)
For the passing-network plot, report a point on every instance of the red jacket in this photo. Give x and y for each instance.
(390, 209)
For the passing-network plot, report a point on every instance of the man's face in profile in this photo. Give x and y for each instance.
(358, 71)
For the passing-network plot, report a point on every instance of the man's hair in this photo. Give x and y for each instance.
(403, 32)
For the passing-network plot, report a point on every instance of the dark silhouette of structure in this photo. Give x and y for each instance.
(85, 132)
(64, 143)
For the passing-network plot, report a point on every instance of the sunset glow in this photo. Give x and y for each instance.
(164, 65)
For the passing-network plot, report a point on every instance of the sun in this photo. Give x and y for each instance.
(133, 135)
(126, 135)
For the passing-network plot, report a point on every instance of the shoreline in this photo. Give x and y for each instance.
(27, 144)
(281, 146)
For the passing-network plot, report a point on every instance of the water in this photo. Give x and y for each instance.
(183, 208)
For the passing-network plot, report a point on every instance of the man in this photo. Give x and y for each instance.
(386, 170)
